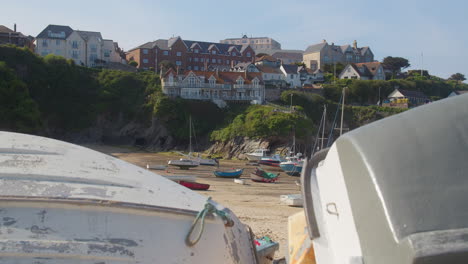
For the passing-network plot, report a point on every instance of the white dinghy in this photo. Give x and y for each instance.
(62, 203)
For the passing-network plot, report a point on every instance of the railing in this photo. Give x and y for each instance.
(226, 98)
(247, 86)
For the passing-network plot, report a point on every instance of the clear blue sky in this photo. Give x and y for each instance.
(403, 28)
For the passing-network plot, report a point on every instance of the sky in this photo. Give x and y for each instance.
(430, 34)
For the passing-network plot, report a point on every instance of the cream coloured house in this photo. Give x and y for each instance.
(318, 55)
(85, 48)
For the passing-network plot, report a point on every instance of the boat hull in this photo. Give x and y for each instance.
(253, 157)
(195, 185)
(254, 177)
(228, 174)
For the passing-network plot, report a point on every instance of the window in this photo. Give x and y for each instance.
(213, 52)
(92, 59)
(292, 76)
(195, 68)
(178, 63)
(145, 60)
(202, 59)
(57, 42)
(212, 81)
(325, 58)
(249, 55)
(213, 61)
(195, 59)
(219, 61)
(178, 54)
(189, 59)
(349, 57)
(145, 51)
(195, 50)
(107, 53)
(202, 68)
(44, 43)
(93, 48)
(227, 61)
(166, 53)
(75, 54)
(255, 82)
(240, 81)
(189, 68)
(75, 44)
(233, 54)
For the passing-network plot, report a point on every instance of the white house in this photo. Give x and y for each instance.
(85, 48)
(214, 85)
(291, 75)
(363, 71)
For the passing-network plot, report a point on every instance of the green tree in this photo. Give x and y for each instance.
(395, 64)
(166, 65)
(133, 63)
(457, 77)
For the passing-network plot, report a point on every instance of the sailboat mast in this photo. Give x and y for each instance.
(323, 125)
(342, 111)
(190, 134)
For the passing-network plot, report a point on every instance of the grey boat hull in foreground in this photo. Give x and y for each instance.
(394, 191)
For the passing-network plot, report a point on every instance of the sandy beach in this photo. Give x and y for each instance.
(256, 204)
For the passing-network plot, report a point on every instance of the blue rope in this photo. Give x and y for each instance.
(209, 209)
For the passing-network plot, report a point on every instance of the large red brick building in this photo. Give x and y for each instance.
(190, 55)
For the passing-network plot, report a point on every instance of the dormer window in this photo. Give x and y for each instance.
(249, 55)
(212, 81)
(233, 53)
(213, 52)
(240, 81)
(195, 50)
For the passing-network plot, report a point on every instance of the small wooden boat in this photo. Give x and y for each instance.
(273, 161)
(229, 173)
(195, 185)
(259, 175)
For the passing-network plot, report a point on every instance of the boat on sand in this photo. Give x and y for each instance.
(259, 175)
(228, 173)
(69, 204)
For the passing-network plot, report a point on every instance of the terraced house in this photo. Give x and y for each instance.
(190, 55)
(214, 85)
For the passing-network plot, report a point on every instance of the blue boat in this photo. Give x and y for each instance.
(229, 174)
(293, 166)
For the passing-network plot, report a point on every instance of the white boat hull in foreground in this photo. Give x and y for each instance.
(61, 203)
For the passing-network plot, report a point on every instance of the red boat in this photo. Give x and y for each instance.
(260, 175)
(195, 185)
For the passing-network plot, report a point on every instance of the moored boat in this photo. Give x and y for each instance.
(258, 154)
(68, 204)
(259, 175)
(194, 185)
(229, 173)
(183, 164)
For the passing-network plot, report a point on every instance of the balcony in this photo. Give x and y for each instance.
(247, 86)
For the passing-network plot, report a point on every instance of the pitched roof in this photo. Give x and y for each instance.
(290, 69)
(372, 67)
(315, 48)
(360, 69)
(4, 29)
(56, 32)
(296, 56)
(266, 69)
(267, 58)
(205, 46)
(86, 35)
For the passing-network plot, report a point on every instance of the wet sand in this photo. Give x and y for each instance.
(255, 204)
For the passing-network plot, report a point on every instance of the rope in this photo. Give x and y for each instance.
(209, 209)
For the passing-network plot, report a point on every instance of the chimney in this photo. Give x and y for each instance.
(14, 27)
(355, 44)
